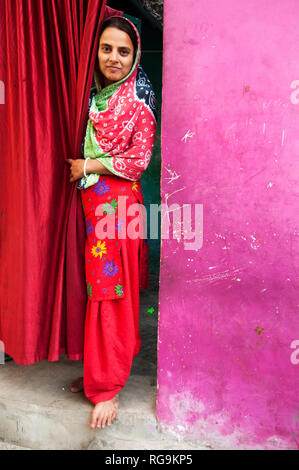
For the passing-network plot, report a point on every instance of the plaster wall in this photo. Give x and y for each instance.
(228, 360)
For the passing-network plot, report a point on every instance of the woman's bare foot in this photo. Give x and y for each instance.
(77, 385)
(104, 412)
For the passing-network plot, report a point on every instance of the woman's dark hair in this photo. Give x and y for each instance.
(122, 24)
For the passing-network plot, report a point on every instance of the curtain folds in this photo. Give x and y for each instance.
(47, 55)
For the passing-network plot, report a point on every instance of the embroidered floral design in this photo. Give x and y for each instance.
(89, 290)
(89, 227)
(111, 207)
(104, 269)
(110, 269)
(101, 187)
(134, 186)
(99, 249)
(119, 289)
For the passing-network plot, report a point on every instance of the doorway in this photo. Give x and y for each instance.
(150, 29)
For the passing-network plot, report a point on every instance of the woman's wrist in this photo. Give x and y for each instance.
(90, 166)
(85, 163)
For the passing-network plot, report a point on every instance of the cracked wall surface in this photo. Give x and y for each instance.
(228, 345)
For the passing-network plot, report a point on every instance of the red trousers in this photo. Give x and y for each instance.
(112, 336)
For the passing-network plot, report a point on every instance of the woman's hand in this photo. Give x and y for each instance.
(76, 168)
(92, 166)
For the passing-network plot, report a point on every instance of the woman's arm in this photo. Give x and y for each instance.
(129, 164)
(132, 162)
(92, 166)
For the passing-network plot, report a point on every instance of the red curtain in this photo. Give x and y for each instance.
(47, 55)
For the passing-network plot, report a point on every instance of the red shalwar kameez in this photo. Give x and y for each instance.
(120, 134)
(115, 271)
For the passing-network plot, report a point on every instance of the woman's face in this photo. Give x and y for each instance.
(116, 55)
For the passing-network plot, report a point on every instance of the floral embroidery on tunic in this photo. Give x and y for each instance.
(103, 258)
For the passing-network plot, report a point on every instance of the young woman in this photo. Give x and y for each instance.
(118, 145)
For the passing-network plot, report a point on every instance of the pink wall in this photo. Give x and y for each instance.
(227, 374)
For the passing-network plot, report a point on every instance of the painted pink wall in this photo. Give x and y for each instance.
(229, 311)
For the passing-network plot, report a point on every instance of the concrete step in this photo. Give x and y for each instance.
(6, 446)
(163, 443)
(37, 411)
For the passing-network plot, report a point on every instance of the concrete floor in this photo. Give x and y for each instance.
(146, 361)
(37, 411)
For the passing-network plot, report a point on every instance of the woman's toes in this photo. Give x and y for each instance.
(109, 420)
(94, 419)
(115, 403)
(113, 415)
(104, 420)
(103, 414)
(100, 418)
